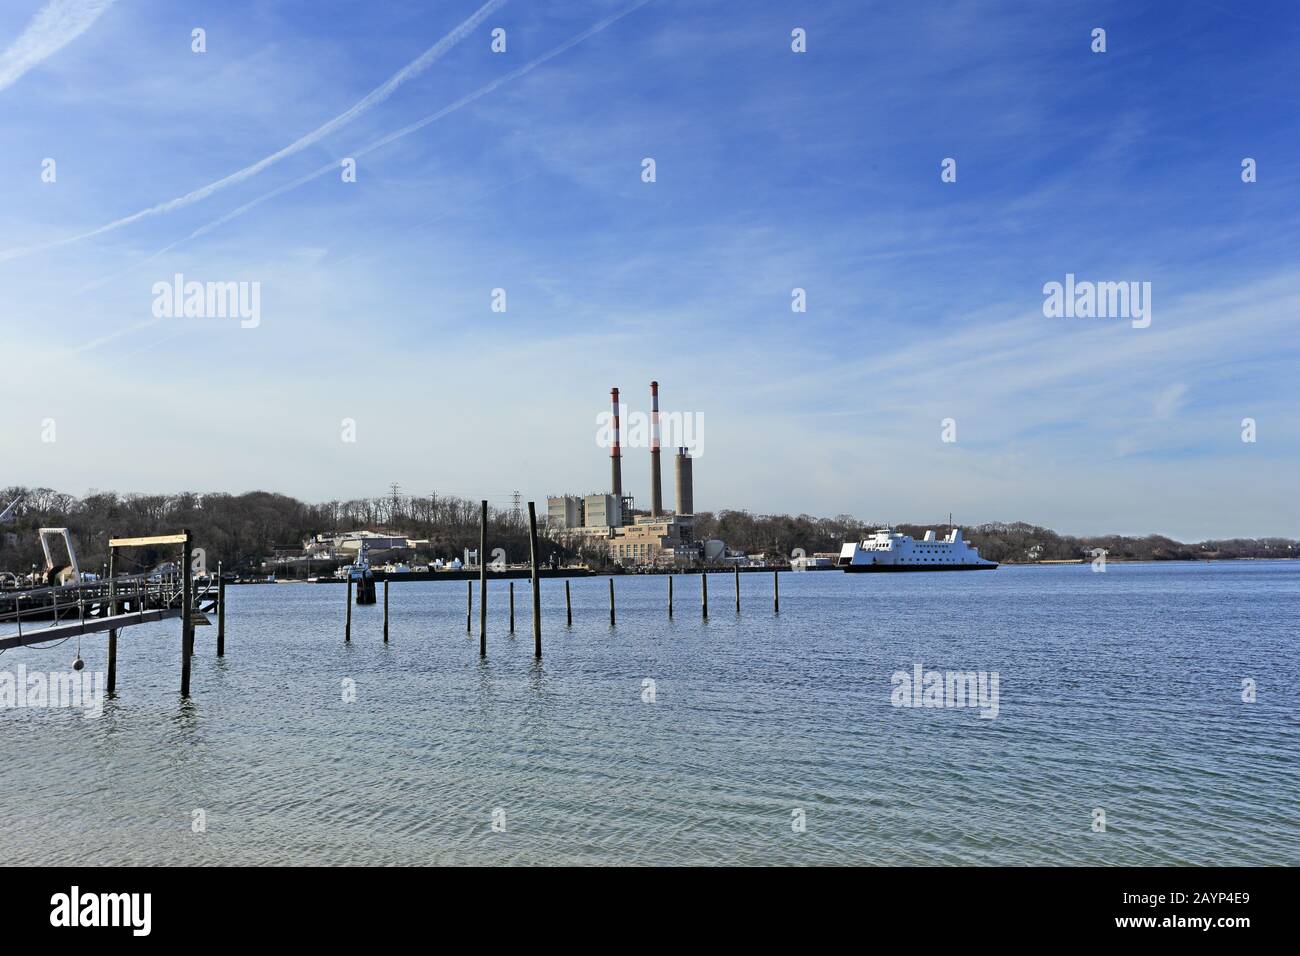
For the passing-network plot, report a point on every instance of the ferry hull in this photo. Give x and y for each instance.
(883, 568)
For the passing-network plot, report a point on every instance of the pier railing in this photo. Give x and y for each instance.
(88, 602)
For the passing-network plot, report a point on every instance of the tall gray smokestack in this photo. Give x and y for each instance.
(685, 493)
(616, 453)
(656, 489)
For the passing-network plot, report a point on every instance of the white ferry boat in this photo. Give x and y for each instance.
(888, 550)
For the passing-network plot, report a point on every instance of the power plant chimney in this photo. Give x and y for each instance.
(656, 490)
(685, 492)
(616, 454)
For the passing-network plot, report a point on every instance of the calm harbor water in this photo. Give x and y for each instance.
(1120, 691)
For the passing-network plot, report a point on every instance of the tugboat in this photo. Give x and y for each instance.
(888, 550)
(362, 577)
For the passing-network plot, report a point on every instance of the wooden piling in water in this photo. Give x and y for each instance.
(112, 634)
(112, 660)
(385, 610)
(347, 626)
(568, 605)
(611, 601)
(670, 595)
(704, 592)
(469, 606)
(776, 592)
(512, 607)
(537, 593)
(187, 626)
(221, 612)
(737, 589)
(482, 581)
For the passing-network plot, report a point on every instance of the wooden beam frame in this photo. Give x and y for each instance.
(145, 542)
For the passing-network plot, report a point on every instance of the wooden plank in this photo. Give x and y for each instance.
(92, 625)
(144, 542)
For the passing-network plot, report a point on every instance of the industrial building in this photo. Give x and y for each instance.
(659, 538)
(564, 511)
(602, 511)
(663, 540)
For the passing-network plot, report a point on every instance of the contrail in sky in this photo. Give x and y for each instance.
(333, 167)
(383, 141)
(465, 100)
(55, 25)
(364, 105)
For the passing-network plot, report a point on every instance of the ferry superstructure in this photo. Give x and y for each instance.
(888, 550)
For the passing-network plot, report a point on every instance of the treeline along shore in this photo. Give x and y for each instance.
(244, 530)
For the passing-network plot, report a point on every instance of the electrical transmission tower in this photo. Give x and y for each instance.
(395, 502)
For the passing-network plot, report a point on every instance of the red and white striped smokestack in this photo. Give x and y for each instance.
(656, 490)
(616, 452)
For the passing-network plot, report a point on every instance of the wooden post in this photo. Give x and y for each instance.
(537, 592)
(482, 582)
(347, 626)
(385, 609)
(670, 595)
(776, 592)
(221, 612)
(187, 628)
(112, 634)
(512, 607)
(737, 589)
(469, 605)
(568, 604)
(112, 660)
(611, 601)
(704, 592)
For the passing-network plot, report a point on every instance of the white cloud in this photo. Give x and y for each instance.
(1170, 400)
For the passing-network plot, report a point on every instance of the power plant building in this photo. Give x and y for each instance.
(602, 511)
(564, 511)
(663, 540)
(658, 538)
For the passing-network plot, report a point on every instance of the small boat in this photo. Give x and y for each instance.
(888, 550)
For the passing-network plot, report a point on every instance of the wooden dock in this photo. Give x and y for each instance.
(38, 616)
(92, 625)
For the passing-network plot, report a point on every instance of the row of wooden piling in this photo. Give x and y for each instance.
(568, 598)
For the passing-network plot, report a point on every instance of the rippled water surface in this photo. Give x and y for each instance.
(1120, 691)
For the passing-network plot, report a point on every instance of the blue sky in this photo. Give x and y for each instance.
(775, 170)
